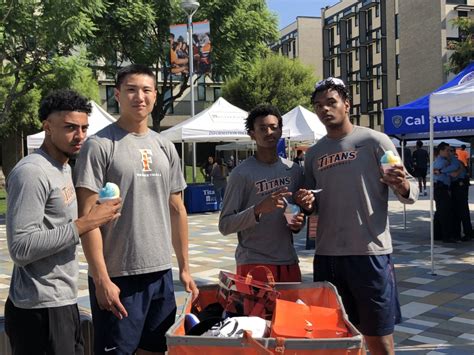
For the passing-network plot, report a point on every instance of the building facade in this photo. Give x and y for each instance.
(302, 39)
(390, 52)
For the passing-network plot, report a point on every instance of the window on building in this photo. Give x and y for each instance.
(456, 2)
(349, 29)
(397, 63)
(333, 67)
(379, 77)
(338, 61)
(349, 62)
(201, 88)
(396, 26)
(217, 93)
(462, 14)
(337, 28)
(370, 56)
(112, 104)
(356, 19)
(294, 49)
(369, 20)
(377, 45)
(377, 10)
(331, 37)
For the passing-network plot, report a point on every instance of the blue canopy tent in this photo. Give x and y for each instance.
(411, 121)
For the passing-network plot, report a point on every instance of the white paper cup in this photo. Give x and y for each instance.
(105, 199)
(289, 217)
(388, 166)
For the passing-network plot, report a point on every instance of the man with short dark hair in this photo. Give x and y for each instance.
(130, 261)
(254, 202)
(41, 314)
(354, 246)
(420, 160)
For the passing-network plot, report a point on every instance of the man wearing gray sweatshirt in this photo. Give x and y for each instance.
(254, 203)
(354, 246)
(41, 314)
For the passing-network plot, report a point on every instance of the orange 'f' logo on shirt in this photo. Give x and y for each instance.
(146, 159)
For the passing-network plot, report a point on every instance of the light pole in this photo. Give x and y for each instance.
(190, 7)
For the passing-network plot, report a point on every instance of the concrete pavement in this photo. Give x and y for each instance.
(437, 309)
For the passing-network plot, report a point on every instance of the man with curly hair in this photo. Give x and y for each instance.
(41, 314)
(254, 202)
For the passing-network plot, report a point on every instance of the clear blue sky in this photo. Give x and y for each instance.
(288, 10)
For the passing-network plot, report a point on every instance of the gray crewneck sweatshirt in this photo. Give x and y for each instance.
(41, 233)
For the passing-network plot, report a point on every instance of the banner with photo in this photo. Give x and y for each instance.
(179, 49)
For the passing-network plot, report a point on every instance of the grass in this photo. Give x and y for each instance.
(3, 201)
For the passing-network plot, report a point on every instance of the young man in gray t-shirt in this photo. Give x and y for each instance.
(41, 314)
(130, 260)
(353, 246)
(254, 203)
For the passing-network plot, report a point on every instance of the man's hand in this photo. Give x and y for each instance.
(396, 179)
(305, 199)
(107, 294)
(297, 222)
(189, 284)
(99, 215)
(273, 201)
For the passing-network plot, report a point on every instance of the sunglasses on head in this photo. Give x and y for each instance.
(330, 80)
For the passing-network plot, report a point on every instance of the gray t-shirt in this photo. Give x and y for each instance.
(269, 241)
(147, 170)
(353, 205)
(41, 233)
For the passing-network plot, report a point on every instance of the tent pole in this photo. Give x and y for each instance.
(431, 196)
(404, 206)
(194, 161)
(183, 168)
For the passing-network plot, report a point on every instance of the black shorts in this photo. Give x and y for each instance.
(151, 307)
(367, 287)
(420, 172)
(55, 330)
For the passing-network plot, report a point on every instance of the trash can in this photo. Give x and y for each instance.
(200, 198)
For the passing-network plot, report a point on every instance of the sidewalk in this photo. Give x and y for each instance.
(438, 310)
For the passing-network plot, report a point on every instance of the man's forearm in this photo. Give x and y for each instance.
(93, 251)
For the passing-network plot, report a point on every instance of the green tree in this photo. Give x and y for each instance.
(137, 32)
(35, 37)
(280, 81)
(33, 33)
(464, 47)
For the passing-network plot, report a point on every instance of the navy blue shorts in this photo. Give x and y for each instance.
(151, 306)
(368, 289)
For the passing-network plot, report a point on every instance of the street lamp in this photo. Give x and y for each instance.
(190, 7)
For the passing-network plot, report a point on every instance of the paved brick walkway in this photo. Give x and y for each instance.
(438, 310)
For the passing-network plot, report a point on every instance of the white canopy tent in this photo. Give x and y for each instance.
(457, 100)
(222, 122)
(98, 119)
(301, 124)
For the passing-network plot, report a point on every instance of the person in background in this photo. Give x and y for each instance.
(206, 168)
(41, 314)
(354, 245)
(299, 159)
(443, 167)
(420, 160)
(130, 261)
(219, 175)
(463, 156)
(254, 203)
